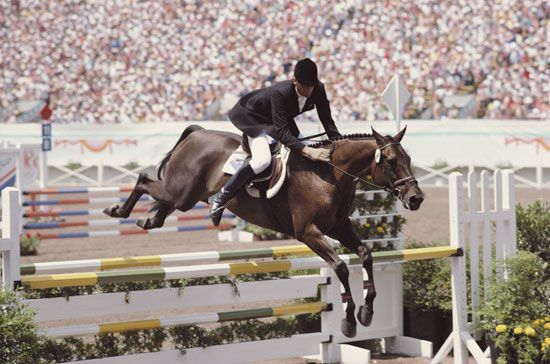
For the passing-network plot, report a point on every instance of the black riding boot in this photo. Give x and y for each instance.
(228, 191)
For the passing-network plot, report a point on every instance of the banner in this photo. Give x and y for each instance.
(488, 143)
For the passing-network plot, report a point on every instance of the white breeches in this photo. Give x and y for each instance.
(261, 153)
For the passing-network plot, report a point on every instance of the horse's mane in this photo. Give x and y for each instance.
(349, 136)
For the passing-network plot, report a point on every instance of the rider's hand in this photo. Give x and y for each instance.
(317, 154)
(332, 135)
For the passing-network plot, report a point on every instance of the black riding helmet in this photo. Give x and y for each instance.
(305, 72)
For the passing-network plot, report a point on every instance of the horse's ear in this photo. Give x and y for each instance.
(380, 140)
(399, 136)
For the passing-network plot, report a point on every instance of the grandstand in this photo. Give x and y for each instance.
(125, 61)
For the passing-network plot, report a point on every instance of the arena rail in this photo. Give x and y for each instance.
(384, 325)
(37, 206)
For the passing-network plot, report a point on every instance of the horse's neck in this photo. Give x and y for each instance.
(355, 155)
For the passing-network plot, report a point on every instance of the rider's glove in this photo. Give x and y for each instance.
(317, 154)
(332, 135)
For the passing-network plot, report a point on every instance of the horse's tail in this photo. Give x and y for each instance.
(184, 135)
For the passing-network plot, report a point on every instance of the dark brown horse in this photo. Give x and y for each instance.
(315, 200)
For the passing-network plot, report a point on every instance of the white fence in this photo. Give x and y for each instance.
(480, 218)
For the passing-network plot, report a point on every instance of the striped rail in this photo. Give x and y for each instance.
(60, 191)
(209, 270)
(33, 204)
(168, 229)
(186, 320)
(110, 222)
(82, 201)
(167, 260)
(90, 212)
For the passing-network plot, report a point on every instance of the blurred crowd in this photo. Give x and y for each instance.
(124, 61)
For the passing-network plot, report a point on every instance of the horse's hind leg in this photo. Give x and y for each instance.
(144, 185)
(346, 235)
(162, 211)
(124, 211)
(315, 240)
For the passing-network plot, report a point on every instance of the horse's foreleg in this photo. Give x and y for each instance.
(366, 312)
(315, 240)
(348, 238)
(124, 211)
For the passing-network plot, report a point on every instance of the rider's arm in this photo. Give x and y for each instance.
(280, 129)
(323, 110)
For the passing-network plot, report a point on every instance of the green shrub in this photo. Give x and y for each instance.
(533, 230)
(427, 283)
(521, 299)
(19, 342)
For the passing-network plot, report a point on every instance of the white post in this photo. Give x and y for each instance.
(509, 205)
(9, 244)
(497, 189)
(331, 320)
(458, 268)
(486, 237)
(474, 241)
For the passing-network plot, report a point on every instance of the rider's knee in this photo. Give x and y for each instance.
(260, 163)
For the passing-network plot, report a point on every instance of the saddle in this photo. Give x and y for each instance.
(269, 181)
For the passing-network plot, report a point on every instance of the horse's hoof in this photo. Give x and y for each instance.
(111, 211)
(144, 223)
(364, 315)
(348, 329)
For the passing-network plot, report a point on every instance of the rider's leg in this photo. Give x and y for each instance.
(260, 160)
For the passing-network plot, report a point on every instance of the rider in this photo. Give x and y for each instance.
(266, 116)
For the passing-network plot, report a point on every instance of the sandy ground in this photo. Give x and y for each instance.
(429, 224)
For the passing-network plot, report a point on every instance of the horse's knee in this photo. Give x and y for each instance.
(341, 270)
(366, 256)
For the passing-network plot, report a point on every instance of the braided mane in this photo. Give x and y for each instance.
(349, 136)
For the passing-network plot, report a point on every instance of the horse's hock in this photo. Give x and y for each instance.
(326, 344)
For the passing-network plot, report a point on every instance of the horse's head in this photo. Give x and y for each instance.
(391, 168)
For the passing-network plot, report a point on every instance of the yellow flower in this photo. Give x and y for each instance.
(500, 328)
(536, 323)
(518, 331)
(367, 225)
(547, 340)
(547, 325)
(380, 229)
(529, 331)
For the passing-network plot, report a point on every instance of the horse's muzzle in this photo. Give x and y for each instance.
(413, 197)
(415, 201)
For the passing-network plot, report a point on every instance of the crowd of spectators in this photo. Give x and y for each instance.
(124, 61)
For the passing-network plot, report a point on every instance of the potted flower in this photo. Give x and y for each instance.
(514, 317)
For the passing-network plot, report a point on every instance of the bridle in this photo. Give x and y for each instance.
(396, 188)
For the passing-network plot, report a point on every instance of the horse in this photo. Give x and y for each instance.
(314, 201)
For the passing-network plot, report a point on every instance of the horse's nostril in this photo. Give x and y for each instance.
(416, 200)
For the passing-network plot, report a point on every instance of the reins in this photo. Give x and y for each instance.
(311, 136)
(394, 186)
